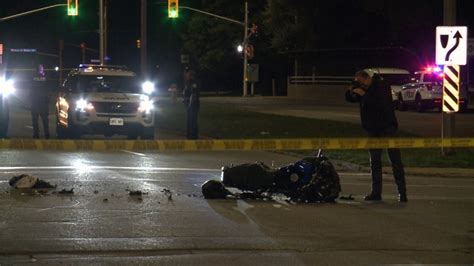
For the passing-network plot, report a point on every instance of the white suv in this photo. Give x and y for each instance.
(104, 100)
(425, 91)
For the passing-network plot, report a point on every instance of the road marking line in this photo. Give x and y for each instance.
(108, 167)
(30, 127)
(134, 153)
(61, 207)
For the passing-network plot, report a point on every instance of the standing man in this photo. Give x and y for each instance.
(192, 103)
(39, 97)
(378, 119)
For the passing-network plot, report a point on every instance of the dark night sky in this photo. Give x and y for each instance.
(43, 30)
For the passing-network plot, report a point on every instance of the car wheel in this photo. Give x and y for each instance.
(132, 136)
(401, 105)
(419, 104)
(148, 133)
(73, 132)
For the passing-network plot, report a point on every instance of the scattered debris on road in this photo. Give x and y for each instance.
(137, 193)
(347, 197)
(65, 191)
(168, 193)
(29, 181)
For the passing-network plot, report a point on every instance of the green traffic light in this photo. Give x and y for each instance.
(173, 14)
(72, 11)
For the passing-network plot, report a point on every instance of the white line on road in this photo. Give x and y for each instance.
(134, 153)
(30, 127)
(107, 167)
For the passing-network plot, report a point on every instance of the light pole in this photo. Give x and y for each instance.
(101, 32)
(143, 39)
(246, 37)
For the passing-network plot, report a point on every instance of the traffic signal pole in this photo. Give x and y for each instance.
(448, 119)
(246, 42)
(101, 32)
(143, 39)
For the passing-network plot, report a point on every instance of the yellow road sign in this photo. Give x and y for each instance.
(451, 89)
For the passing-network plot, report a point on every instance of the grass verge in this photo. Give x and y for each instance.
(226, 122)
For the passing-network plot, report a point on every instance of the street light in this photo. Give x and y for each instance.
(240, 48)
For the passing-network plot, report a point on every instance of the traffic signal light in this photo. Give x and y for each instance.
(139, 44)
(72, 7)
(173, 8)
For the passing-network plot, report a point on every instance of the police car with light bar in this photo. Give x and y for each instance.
(425, 91)
(105, 100)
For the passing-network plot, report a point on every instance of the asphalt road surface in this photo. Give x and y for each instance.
(426, 124)
(101, 223)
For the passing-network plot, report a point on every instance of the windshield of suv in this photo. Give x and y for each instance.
(433, 78)
(396, 79)
(117, 84)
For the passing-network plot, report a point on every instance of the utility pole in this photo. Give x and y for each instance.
(61, 48)
(143, 39)
(105, 29)
(448, 119)
(101, 32)
(246, 41)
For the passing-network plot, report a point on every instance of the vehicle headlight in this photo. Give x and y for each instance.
(6, 87)
(146, 105)
(148, 87)
(83, 105)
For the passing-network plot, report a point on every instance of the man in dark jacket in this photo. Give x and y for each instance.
(39, 97)
(192, 102)
(378, 119)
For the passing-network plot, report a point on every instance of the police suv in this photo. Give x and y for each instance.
(105, 100)
(425, 91)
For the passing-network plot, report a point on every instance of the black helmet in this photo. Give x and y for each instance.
(213, 189)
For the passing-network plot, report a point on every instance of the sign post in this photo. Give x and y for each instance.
(451, 51)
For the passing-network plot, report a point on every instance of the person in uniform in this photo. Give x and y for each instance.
(192, 103)
(378, 119)
(39, 97)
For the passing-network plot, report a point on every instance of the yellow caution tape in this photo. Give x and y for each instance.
(234, 145)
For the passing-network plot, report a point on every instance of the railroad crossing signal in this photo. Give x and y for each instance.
(72, 7)
(451, 89)
(173, 8)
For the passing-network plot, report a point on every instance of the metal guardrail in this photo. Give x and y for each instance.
(308, 80)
